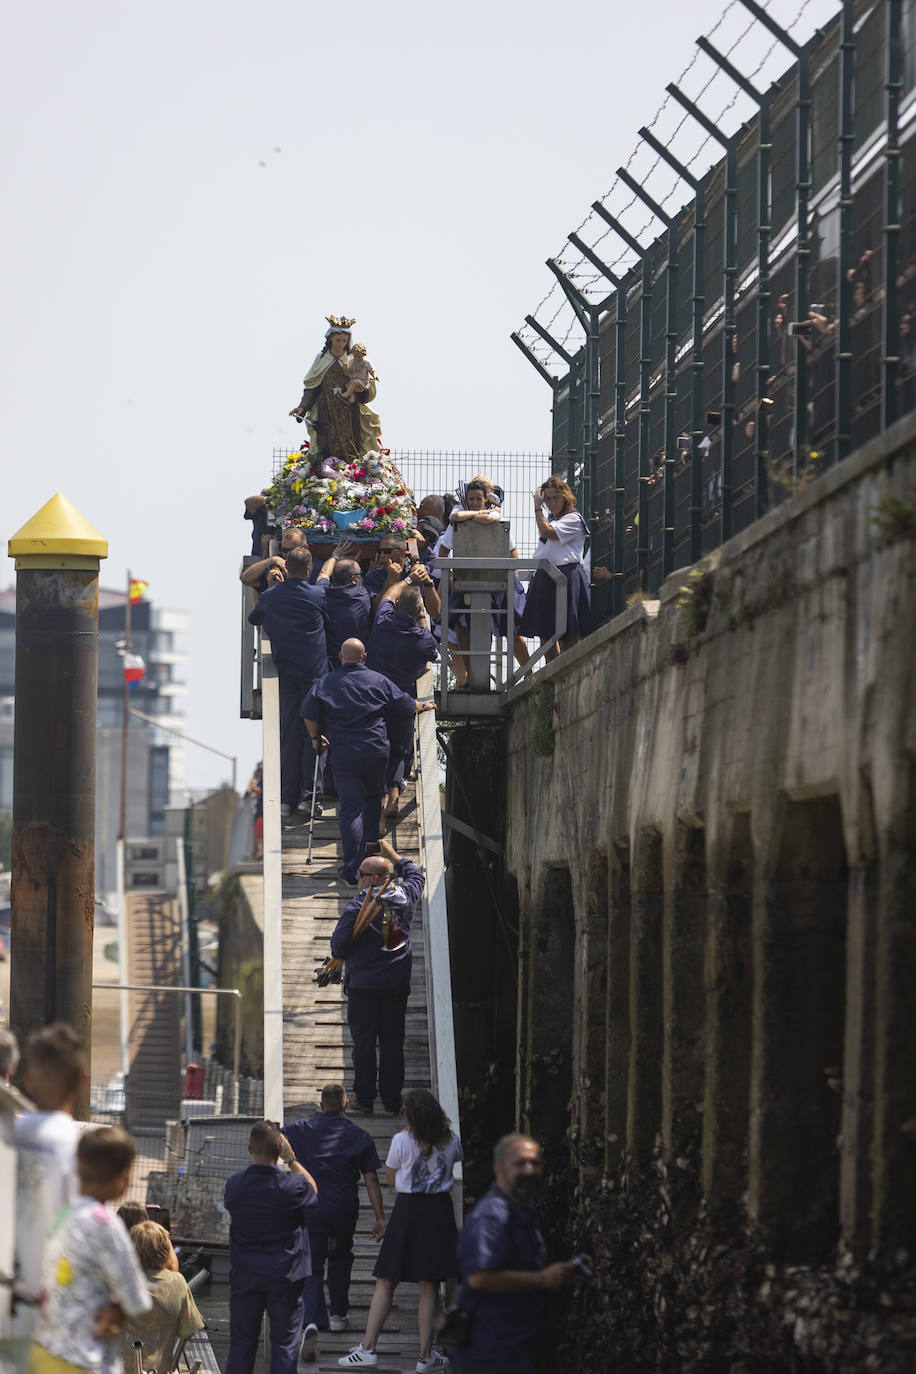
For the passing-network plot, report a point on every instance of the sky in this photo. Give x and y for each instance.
(190, 187)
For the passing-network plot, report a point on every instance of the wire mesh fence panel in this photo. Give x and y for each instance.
(777, 354)
(432, 472)
(189, 1140)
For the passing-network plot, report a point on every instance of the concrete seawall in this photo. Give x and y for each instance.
(716, 867)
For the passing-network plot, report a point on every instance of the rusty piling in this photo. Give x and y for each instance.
(57, 555)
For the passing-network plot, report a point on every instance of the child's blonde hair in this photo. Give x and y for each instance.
(152, 1244)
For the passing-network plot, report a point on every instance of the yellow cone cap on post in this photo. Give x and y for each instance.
(57, 536)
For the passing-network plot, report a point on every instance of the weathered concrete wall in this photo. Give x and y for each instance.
(240, 907)
(717, 877)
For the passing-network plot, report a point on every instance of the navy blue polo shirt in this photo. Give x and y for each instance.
(349, 612)
(374, 581)
(336, 1153)
(399, 647)
(267, 1209)
(353, 706)
(260, 524)
(293, 614)
(499, 1235)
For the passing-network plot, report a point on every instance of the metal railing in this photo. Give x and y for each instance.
(195, 992)
(492, 671)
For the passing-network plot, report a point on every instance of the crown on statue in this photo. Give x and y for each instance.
(340, 322)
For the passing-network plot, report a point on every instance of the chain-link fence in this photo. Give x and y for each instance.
(783, 392)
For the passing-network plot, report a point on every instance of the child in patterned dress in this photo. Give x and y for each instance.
(92, 1277)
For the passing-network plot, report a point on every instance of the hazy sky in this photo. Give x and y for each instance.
(190, 187)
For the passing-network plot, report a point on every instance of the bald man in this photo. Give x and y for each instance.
(353, 708)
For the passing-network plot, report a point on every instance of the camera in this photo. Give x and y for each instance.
(583, 1263)
(372, 848)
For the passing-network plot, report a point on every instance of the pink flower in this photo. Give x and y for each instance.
(400, 524)
(365, 524)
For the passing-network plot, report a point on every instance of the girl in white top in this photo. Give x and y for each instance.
(563, 534)
(421, 1235)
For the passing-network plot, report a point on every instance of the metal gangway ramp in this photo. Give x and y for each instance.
(306, 1039)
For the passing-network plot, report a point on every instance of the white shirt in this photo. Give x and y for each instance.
(420, 1173)
(571, 534)
(45, 1185)
(89, 1260)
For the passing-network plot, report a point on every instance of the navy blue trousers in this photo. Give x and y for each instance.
(332, 1242)
(250, 1296)
(297, 757)
(360, 783)
(400, 759)
(376, 1017)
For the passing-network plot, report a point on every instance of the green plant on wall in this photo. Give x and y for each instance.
(895, 519)
(695, 599)
(542, 736)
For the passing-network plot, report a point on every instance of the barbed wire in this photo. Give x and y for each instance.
(578, 269)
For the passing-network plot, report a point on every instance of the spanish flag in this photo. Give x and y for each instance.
(137, 590)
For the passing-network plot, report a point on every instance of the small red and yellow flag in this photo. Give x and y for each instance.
(137, 590)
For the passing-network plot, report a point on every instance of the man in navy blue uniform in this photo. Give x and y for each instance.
(293, 616)
(400, 646)
(352, 707)
(348, 604)
(377, 975)
(336, 1153)
(268, 1251)
(430, 517)
(375, 579)
(503, 1267)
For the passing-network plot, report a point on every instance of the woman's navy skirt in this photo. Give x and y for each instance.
(539, 619)
(420, 1239)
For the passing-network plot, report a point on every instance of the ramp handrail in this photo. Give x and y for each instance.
(440, 1023)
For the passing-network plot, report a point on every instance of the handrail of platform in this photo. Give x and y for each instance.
(273, 886)
(507, 674)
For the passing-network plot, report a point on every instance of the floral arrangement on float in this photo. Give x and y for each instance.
(330, 497)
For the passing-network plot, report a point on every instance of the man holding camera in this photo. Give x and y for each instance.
(377, 974)
(504, 1272)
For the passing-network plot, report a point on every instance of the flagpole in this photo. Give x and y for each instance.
(122, 823)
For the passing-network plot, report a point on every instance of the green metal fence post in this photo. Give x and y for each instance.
(672, 333)
(729, 282)
(699, 306)
(645, 378)
(764, 150)
(893, 89)
(845, 147)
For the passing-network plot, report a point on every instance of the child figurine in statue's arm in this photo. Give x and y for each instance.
(359, 369)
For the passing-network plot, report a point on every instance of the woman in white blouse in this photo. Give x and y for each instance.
(421, 1236)
(563, 534)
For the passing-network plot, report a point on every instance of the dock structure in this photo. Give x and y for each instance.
(306, 1039)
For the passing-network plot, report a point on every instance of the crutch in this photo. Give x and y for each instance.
(308, 857)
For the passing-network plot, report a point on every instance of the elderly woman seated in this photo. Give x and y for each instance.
(174, 1315)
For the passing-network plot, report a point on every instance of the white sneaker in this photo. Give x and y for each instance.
(339, 1323)
(435, 1360)
(309, 1344)
(357, 1358)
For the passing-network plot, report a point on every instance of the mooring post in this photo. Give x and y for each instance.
(57, 555)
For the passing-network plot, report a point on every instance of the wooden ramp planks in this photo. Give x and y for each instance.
(316, 1050)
